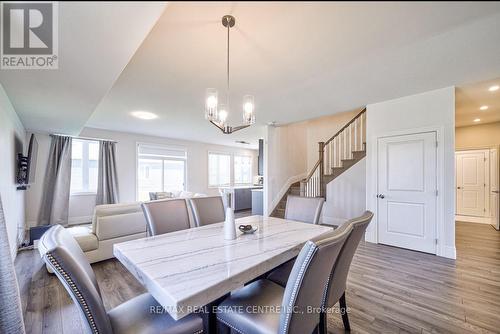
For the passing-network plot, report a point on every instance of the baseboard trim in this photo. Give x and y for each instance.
(472, 219)
(370, 236)
(71, 221)
(448, 252)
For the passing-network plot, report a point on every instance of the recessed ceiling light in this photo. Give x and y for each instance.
(144, 115)
(483, 108)
(477, 120)
(494, 88)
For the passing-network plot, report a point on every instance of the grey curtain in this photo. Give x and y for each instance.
(56, 189)
(11, 314)
(107, 180)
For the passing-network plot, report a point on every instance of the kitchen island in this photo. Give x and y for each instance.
(241, 196)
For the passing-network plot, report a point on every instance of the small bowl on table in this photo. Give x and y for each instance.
(247, 229)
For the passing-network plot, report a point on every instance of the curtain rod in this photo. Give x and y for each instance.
(83, 138)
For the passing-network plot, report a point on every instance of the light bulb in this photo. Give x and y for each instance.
(211, 104)
(222, 115)
(248, 110)
(211, 101)
(248, 107)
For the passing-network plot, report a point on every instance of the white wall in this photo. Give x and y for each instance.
(431, 110)
(82, 206)
(292, 150)
(346, 195)
(12, 139)
(322, 129)
(285, 161)
(477, 136)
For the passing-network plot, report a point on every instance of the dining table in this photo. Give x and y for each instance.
(188, 269)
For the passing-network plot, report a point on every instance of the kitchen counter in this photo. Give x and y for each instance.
(243, 187)
(241, 196)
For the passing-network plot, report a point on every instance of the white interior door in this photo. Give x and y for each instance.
(494, 189)
(407, 191)
(471, 173)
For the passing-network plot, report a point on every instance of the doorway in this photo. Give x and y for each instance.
(477, 186)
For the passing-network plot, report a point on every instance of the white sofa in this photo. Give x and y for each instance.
(111, 224)
(114, 223)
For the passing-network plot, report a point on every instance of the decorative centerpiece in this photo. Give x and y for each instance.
(229, 227)
(247, 229)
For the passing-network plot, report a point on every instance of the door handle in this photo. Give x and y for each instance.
(459, 187)
(495, 191)
(381, 196)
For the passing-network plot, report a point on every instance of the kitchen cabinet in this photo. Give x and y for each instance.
(257, 202)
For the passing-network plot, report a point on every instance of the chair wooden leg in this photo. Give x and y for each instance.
(322, 326)
(343, 312)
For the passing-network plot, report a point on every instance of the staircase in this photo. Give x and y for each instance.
(343, 150)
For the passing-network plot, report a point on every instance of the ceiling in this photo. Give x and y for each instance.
(96, 41)
(299, 60)
(469, 98)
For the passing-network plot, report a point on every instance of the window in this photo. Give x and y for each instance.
(242, 169)
(219, 169)
(160, 169)
(84, 166)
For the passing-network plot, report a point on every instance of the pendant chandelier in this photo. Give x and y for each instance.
(217, 113)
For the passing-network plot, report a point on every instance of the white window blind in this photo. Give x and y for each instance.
(242, 169)
(219, 169)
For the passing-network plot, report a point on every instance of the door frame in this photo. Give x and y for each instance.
(487, 181)
(440, 172)
(476, 148)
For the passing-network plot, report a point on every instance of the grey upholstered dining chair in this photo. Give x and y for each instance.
(284, 310)
(63, 255)
(207, 210)
(166, 216)
(335, 290)
(304, 209)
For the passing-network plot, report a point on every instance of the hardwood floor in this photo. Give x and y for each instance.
(390, 290)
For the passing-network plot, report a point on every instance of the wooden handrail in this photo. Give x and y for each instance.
(346, 126)
(311, 173)
(314, 183)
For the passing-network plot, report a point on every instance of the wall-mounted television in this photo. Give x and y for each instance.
(27, 165)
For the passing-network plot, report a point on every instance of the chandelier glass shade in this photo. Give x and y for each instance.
(216, 112)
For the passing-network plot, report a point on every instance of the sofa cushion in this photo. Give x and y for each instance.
(84, 236)
(163, 195)
(186, 194)
(175, 193)
(153, 196)
(113, 209)
(120, 225)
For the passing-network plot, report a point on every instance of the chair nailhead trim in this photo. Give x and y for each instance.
(72, 285)
(327, 290)
(300, 276)
(228, 324)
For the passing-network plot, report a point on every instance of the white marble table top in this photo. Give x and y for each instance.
(187, 269)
